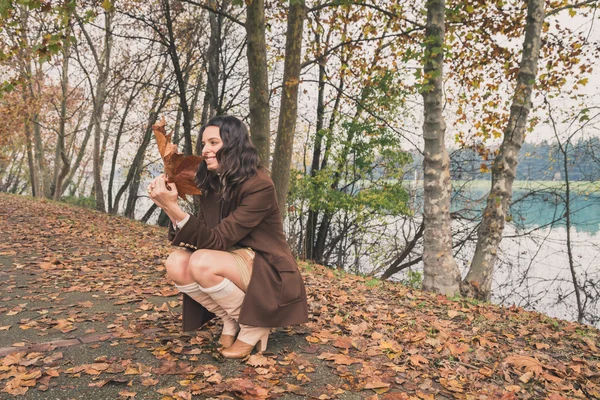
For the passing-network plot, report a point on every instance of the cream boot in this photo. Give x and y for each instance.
(230, 298)
(230, 325)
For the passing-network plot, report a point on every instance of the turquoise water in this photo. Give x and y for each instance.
(545, 207)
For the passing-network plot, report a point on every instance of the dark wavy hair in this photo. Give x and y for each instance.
(238, 158)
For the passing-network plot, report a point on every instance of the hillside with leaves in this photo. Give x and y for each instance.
(87, 312)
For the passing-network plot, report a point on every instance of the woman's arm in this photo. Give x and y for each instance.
(257, 202)
(166, 198)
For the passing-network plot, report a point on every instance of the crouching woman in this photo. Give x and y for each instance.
(233, 260)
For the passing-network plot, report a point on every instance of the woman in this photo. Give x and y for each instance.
(233, 258)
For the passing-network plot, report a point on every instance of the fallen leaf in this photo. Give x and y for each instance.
(343, 343)
(376, 384)
(526, 377)
(417, 360)
(257, 360)
(215, 378)
(530, 364)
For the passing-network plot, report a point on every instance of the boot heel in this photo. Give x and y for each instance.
(247, 341)
(261, 345)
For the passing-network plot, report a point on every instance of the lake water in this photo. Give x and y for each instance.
(533, 269)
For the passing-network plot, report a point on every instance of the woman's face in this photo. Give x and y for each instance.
(211, 143)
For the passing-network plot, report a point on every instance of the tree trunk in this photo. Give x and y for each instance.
(440, 271)
(34, 144)
(181, 81)
(565, 154)
(135, 170)
(284, 146)
(103, 64)
(260, 118)
(313, 214)
(478, 282)
(211, 95)
(397, 266)
(33, 175)
(580, 307)
(61, 161)
(113, 207)
(80, 154)
(42, 173)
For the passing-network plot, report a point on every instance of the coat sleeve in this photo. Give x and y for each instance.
(173, 231)
(255, 205)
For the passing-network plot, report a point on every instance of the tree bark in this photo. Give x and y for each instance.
(211, 95)
(260, 111)
(181, 81)
(80, 154)
(440, 272)
(103, 65)
(569, 243)
(313, 214)
(284, 145)
(478, 282)
(114, 207)
(61, 162)
(580, 307)
(32, 131)
(33, 175)
(397, 266)
(135, 170)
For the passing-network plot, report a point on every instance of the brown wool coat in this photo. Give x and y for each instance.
(276, 295)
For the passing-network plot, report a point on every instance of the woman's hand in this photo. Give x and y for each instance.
(162, 194)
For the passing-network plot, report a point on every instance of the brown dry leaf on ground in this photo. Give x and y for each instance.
(104, 281)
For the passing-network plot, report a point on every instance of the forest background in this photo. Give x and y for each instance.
(394, 131)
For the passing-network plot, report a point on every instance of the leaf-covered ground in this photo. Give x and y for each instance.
(87, 312)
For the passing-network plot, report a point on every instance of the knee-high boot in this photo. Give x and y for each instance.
(230, 325)
(230, 298)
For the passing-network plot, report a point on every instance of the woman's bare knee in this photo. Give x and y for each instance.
(209, 267)
(177, 267)
(202, 267)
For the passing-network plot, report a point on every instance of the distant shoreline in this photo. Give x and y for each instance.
(580, 186)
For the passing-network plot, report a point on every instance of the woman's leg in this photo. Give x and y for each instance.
(209, 267)
(177, 265)
(178, 270)
(217, 274)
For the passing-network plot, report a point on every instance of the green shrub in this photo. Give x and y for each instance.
(86, 202)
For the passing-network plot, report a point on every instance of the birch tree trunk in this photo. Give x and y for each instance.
(260, 111)
(478, 281)
(282, 158)
(440, 272)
